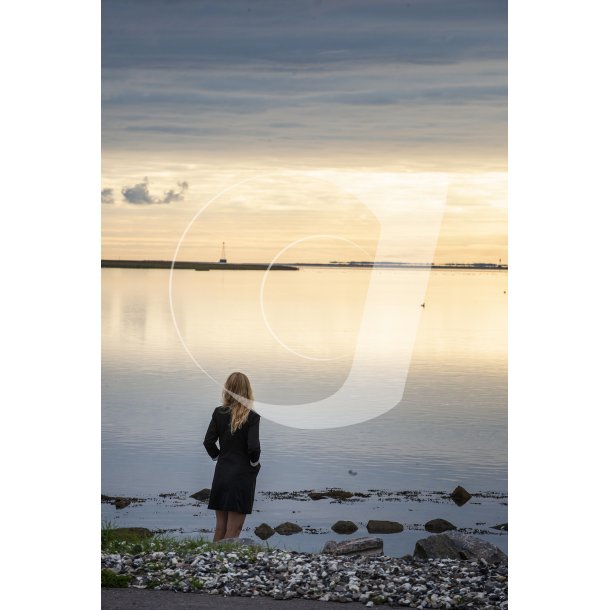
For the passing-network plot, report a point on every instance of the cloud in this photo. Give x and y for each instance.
(139, 194)
(107, 196)
(307, 33)
(415, 79)
(172, 195)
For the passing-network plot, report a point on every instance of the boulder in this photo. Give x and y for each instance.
(355, 546)
(455, 545)
(460, 496)
(316, 495)
(438, 526)
(203, 495)
(503, 527)
(384, 527)
(122, 502)
(288, 528)
(344, 527)
(264, 531)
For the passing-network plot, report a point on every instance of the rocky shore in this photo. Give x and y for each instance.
(441, 583)
(455, 567)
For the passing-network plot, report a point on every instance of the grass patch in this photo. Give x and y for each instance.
(378, 600)
(132, 541)
(112, 580)
(131, 535)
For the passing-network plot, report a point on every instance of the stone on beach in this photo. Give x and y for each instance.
(203, 495)
(122, 502)
(277, 574)
(264, 531)
(356, 546)
(384, 527)
(287, 528)
(460, 496)
(438, 526)
(344, 527)
(456, 545)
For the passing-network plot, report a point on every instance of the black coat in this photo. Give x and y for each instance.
(234, 481)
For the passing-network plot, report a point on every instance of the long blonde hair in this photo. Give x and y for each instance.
(237, 391)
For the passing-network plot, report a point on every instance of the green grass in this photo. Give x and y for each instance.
(378, 600)
(131, 544)
(113, 580)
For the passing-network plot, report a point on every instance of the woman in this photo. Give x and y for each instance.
(235, 425)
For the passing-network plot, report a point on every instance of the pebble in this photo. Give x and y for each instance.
(279, 574)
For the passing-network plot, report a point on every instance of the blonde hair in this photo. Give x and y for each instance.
(237, 391)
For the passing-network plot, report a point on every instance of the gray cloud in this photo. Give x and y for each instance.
(300, 33)
(139, 194)
(172, 195)
(107, 196)
(288, 77)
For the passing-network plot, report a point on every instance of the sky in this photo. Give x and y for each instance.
(272, 110)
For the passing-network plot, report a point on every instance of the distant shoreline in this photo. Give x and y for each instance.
(390, 265)
(208, 266)
(197, 266)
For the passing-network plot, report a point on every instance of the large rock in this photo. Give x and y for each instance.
(288, 528)
(503, 527)
(356, 546)
(438, 526)
(344, 527)
(455, 545)
(122, 502)
(460, 496)
(264, 531)
(316, 495)
(384, 527)
(203, 495)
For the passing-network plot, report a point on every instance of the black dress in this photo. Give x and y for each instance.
(234, 481)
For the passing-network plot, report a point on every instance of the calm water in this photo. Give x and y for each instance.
(450, 427)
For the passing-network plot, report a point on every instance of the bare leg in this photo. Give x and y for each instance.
(221, 525)
(234, 524)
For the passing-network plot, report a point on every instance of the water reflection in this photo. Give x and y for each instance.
(449, 428)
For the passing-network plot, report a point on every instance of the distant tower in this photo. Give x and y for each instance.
(223, 256)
